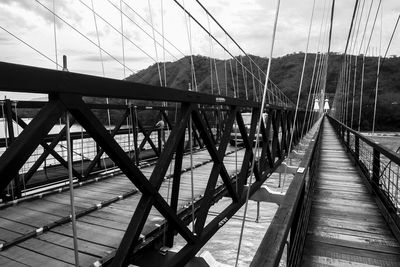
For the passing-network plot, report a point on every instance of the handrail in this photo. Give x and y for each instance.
(270, 251)
(66, 93)
(390, 154)
(380, 166)
(20, 78)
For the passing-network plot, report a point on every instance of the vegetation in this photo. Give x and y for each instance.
(286, 72)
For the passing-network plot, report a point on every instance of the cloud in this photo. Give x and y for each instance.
(96, 58)
(4, 39)
(43, 9)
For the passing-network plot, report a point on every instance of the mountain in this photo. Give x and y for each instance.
(286, 73)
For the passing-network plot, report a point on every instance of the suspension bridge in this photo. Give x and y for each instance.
(116, 172)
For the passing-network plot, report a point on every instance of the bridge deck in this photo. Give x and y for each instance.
(100, 229)
(346, 227)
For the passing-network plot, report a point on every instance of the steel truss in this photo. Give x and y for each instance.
(66, 93)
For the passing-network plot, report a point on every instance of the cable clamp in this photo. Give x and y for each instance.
(39, 231)
(97, 264)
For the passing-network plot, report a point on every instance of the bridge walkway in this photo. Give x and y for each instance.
(346, 227)
(38, 232)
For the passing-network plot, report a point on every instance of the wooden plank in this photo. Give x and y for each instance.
(27, 216)
(6, 262)
(343, 223)
(15, 226)
(93, 233)
(355, 245)
(43, 205)
(31, 258)
(353, 236)
(64, 199)
(7, 235)
(99, 232)
(346, 227)
(56, 252)
(324, 249)
(84, 246)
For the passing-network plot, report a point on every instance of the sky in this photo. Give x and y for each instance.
(72, 30)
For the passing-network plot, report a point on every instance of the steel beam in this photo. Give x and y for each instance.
(25, 144)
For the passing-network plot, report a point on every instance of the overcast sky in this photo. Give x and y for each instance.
(249, 22)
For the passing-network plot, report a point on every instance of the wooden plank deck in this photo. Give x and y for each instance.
(101, 230)
(346, 227)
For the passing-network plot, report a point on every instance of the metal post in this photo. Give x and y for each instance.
(258, 211)
(98, 163)
(376, 164)
(357, 148)
(135, 135)
(159, 140)
(71, 191)
(71, 185)
(11, 137)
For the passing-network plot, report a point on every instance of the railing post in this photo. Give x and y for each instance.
(348, 139)
(342, 129)
(11, 137)
(135, 134)
(357, 147)
(98, 163)
(72, 149)
(159, 140)
(376, 164)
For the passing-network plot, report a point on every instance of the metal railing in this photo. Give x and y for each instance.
(139, 141)
(289, 225)
(380, 165)
(67, 94)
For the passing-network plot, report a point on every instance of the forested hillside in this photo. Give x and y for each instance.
(285, 72)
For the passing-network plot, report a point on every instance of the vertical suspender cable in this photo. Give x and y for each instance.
(212, 55)
(345, 56)
(211, 64)
(70, 176)
(163, 43)
(190, 129)
(390, 41)
(353, 41)
(255, 98)
(314, 77)
(71, 191)
(122, 40)
(189, 34)
(377, 75)
(370, 37)
(361, 91)
(55, 33)
(355, 67)
(327, 55)
(299, 91)
(155, 44)
(363, 66)
(258, 129)
(194, 82)
(244, 79)
(321, 63)
(102, 62)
